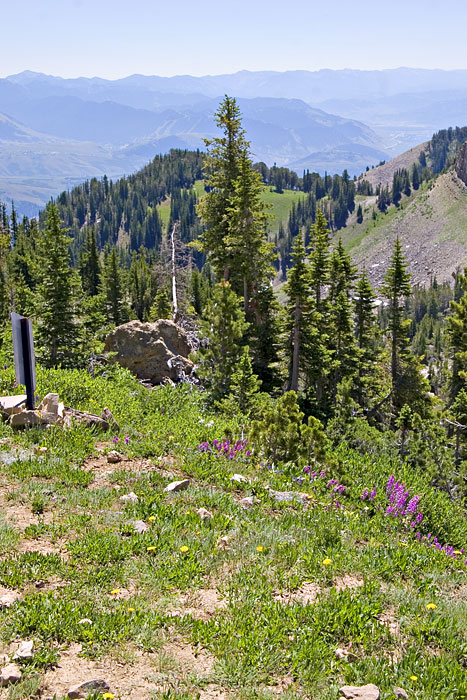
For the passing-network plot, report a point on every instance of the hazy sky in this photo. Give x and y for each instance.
(114, 38)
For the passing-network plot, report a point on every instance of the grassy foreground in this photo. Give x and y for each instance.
(253, 602)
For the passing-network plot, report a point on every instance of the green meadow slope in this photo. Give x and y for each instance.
(291, 582)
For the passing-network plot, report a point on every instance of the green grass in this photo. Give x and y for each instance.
(364, 567)
(280, 206)
(164, 212)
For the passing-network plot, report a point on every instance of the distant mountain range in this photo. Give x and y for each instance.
(55, 132)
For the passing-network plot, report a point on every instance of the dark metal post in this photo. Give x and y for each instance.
(27, 360)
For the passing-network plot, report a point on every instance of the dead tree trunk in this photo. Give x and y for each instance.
(174, 276)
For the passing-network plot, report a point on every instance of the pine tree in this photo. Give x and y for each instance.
(223, 328)
(407, 384)
(112, 288)
(457, 335)
(140, 286)
(246, 240)
(244, 388)
(319, 260)
(90, 268)
(222, 169)
(297, 313)
(58, 331)
(161, 307)
(396, 289)
(359, 214)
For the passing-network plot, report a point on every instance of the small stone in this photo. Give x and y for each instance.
(49, 404)
(363, 692)
(287, 495)
(82, 690)
(238, 479)
(177, 486)
(7, 597)
(341, 653)
(25, 650)
(400, 693)
(129, 498)
(10, 674)
(223, 542)
(140, 526)
(114, 457)
(204, 514)
(247, 502)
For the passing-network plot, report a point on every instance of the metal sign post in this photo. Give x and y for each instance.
(25, 365)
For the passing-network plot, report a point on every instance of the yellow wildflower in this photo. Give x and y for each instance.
(431, 606)
(131, 610)
(115, 591)
(151, 549)
(403, 544)
(184, 548)
(326, 562)
(259, 548)
(108, 696)
(151, 518)
(414, 678)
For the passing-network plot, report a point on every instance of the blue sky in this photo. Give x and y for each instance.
(114, 38)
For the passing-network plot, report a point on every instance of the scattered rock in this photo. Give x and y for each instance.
(204, 514)
(82, 690)
(10, 674)
(154, 351)
(177, 486)
(288, 495)
(114, 457)
(25, 650)
(400, 693)
(341, 653)
(129, 498)
(49, 404)
(238, 479)
(247, 502)
(364, 692)
(108, 417)
(140, 526)
(7, 597)
(223, 542)
(12, 404)
(29, 419)
(71, 415)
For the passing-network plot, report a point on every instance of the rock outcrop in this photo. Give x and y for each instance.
(152, 351)
(461, 164)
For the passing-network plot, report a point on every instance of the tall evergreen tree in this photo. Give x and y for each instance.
(297, 313)
(222, 169)
(58, 331)
(90, 268)
(113, 289)
(396, 289)
(224, 327)
(457, 335)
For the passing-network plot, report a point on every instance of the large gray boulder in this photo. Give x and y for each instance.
(154, 351)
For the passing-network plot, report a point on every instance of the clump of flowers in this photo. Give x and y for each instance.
(366, 493)
(226, 448)
(399, 504)
(335, 486)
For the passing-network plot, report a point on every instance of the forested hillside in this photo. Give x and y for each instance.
(289, 519)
